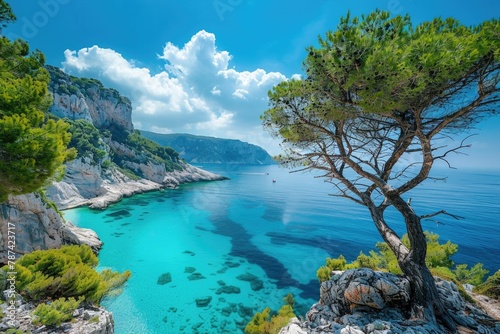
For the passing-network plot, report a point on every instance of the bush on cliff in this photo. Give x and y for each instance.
(56, 312)
(438, 260)
(86, 139)
(266, 323)
(65, 272)
(438, 256)
(491, 287)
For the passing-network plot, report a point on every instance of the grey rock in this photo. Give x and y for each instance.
(164, 279)
(39, 226)
(204, 301)
(363, 301)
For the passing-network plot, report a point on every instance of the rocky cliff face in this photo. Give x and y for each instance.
(76, 98)
(362, 301)
(127, 163)
(201, 149)
(35, 225)
(89, 320)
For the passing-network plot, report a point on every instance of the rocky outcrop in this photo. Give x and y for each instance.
(89, 184)
(202, 149)
(125, 167)
(362, 301)
(36, 225)
(88, 320)
(80, 98)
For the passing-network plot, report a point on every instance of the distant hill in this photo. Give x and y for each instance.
(201, 149)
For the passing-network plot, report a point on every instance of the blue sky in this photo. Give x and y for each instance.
(205, 66)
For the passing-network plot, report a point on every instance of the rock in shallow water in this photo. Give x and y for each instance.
(228, 289)
(195, 276)
(204, 301)
(255, 282)
(164, 279)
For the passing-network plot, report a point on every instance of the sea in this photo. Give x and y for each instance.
(207, 256)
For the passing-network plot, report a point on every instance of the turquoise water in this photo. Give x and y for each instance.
(205, 236)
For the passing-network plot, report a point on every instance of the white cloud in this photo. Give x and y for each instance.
(197, 92)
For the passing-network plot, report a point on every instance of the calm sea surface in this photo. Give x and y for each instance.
(243, 244)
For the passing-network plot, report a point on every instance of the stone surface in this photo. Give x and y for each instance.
(90, 320)
(255, 282)
(88, 100)
(164, 279)
(38, 226)
(203, 302)
(362, 301)
(196, 276)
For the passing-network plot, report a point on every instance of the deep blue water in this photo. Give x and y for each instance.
(206, 235)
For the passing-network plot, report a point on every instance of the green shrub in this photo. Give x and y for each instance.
(323, 273)
(13, 331)
(265, 323)
(474, 276)
(57, 312)
(85, 138)
(491, 287)
(94, 319)
(65, 272)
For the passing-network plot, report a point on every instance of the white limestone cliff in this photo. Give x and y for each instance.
(36, 225)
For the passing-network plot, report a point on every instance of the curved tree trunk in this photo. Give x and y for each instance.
(425, 301)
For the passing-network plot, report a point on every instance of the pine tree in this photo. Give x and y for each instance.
(32, 146)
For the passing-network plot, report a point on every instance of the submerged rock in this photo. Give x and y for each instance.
(228, 289)
(245, 311)
(255, 282)
(196, 276)
(204, 301)
(231, 264)
(164, 279)
(119, 213)
(189, 270)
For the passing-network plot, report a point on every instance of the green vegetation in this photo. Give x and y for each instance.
(86, 139)
(32, 146)
(14, 331)
(266, 323)
(144, 149)
(6, 14)
(491, 287)
(378, 97)
(59, 280)
(65, 272)
(56, 312)
(438, 260)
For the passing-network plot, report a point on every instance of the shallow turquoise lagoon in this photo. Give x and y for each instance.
(229, 249)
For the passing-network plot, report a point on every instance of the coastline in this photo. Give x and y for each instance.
(98, 190)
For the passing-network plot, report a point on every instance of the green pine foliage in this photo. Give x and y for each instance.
(65, 272)
(86, 139)
(474, 275)
(491, 287)
(438, 260)
(144, 149)
(32, 146)
(266, 323)
(56, 312)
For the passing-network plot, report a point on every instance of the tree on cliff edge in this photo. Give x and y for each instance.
(32, 147)
(378, 99)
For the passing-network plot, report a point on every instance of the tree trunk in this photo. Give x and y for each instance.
(425, 301)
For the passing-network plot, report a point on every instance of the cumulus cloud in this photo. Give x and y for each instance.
(197, 92)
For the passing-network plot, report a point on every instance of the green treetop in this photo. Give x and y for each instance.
(378, 97)
(32, 147)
